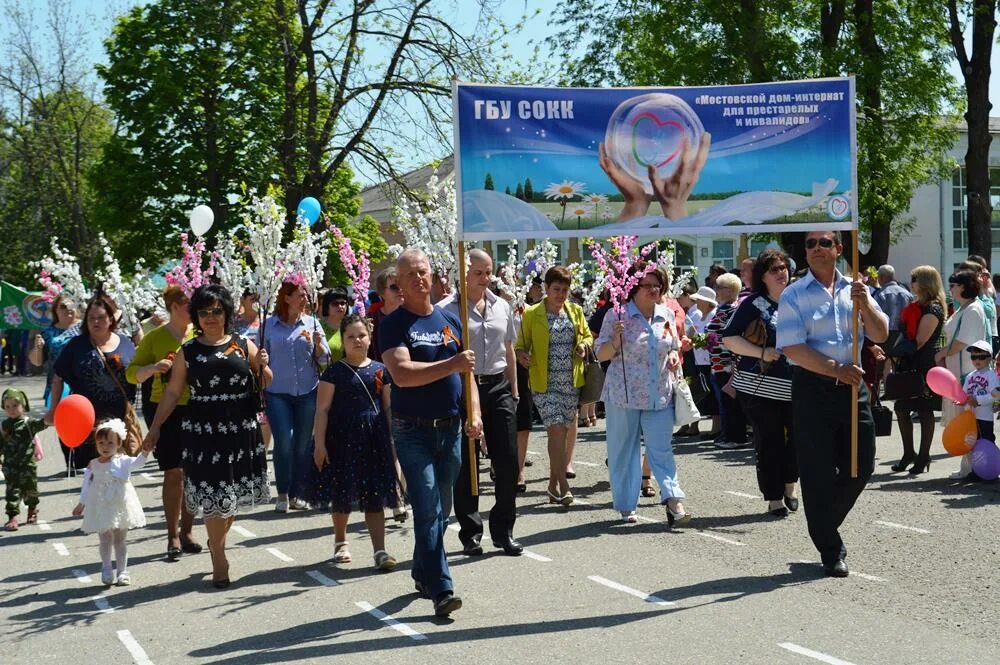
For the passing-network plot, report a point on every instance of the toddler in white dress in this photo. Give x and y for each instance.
(108, 502)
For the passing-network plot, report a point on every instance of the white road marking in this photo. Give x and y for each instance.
(536, 557)
(279, 554)
(720, 538)
(139, 656)
(44, 526)
(893, 525)
(864, 576)
(246, 533)
(82, 576)
(102, 604)
(454, 527)
(816, 655)
(148, 476)
(389, 621)
(586, 463)
(61, 549)
(742, 494)
(321, 578)
(630, 591)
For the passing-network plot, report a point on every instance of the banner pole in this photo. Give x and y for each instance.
(463, 306)
(855, 317)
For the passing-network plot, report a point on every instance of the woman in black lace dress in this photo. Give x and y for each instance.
(225, 466)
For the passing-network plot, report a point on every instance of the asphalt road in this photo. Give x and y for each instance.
(737, 586)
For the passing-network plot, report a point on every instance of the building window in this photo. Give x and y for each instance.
(722, 252)
(758, 246)
(959, 223)
(683, 255)
(501, 251)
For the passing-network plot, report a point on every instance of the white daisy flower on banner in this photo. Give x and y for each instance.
(564, 190)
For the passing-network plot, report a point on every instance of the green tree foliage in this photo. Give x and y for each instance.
(529, 190)
(488, 183)
(897, 49)
(52, 129)
(519, 192)
(195, 86)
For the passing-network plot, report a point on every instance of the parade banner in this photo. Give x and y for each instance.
(21, 310)
(547, 162)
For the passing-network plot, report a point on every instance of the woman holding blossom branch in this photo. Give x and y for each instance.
(642, 344)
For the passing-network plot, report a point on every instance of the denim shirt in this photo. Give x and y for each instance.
(809, 314)
(290, 355)
(646, 348)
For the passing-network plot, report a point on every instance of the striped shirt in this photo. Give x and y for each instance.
(809, 314)
(753, 376)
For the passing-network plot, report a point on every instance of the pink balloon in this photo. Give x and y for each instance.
(944, 383)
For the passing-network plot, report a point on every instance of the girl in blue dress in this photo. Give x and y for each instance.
(352, 443)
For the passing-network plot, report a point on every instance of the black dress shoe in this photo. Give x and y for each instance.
(446, 603)
(510, 546)
(836, 569)
(472, 547)
(421, 589)
(792, 503)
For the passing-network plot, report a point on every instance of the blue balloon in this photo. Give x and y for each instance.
(309, 210)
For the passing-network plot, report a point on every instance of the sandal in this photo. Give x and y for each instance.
(647, 490)
(400, 514)
(385, 561)
(191, 547)
(173, 552)
(340, 552)
(32, 517)
(11, 524)
(630, 517)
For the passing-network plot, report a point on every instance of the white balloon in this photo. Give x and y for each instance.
(201, 220)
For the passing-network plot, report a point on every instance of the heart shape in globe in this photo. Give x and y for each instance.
(652, 138)
(838, 207)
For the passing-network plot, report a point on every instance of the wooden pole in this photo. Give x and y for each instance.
(463, 306)
(855, 318)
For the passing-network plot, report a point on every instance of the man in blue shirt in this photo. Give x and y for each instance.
(814, 333)
(421, 345)
(892, 298)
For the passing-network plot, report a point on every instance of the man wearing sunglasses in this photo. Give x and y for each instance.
(815, 334)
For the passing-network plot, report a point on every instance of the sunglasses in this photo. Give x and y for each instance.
(825, 243)
(980, 356)
(774, 270)
(213, 311)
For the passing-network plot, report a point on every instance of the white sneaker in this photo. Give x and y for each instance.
(124, 579)
(298, 504)
(281, 506)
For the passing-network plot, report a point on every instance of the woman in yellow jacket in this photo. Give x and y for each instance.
(552, 344)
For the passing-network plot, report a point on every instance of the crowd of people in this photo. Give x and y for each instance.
(369, 410)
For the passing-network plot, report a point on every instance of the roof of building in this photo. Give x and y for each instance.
(379, 200)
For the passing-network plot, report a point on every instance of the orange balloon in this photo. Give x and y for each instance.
(74, 420)
(960, 434)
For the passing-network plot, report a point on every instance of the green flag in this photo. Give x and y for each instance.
(21, 310)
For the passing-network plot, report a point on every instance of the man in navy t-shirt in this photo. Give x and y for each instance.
(421, 345)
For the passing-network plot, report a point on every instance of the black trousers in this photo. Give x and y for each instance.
(821, 424)
(773, 442)
(497, 406)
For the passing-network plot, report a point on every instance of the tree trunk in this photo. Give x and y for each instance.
(976, 71)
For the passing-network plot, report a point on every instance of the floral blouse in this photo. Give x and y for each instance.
(647, 346)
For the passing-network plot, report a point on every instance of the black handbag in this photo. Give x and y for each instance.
(904, 385)
(901, 347)
(593, 375)
(881, 414)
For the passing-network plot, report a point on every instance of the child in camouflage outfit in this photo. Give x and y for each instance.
(20, 452)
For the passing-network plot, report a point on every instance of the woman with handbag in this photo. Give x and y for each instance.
(553, 344)
(643, 347)
(763, 382)
(921, 322)
(93, 364)
(966, 325)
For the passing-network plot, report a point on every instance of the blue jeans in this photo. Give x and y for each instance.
(430, 459)
(625, 429)
(291, 419)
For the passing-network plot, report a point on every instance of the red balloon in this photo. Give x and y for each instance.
(74, 420)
